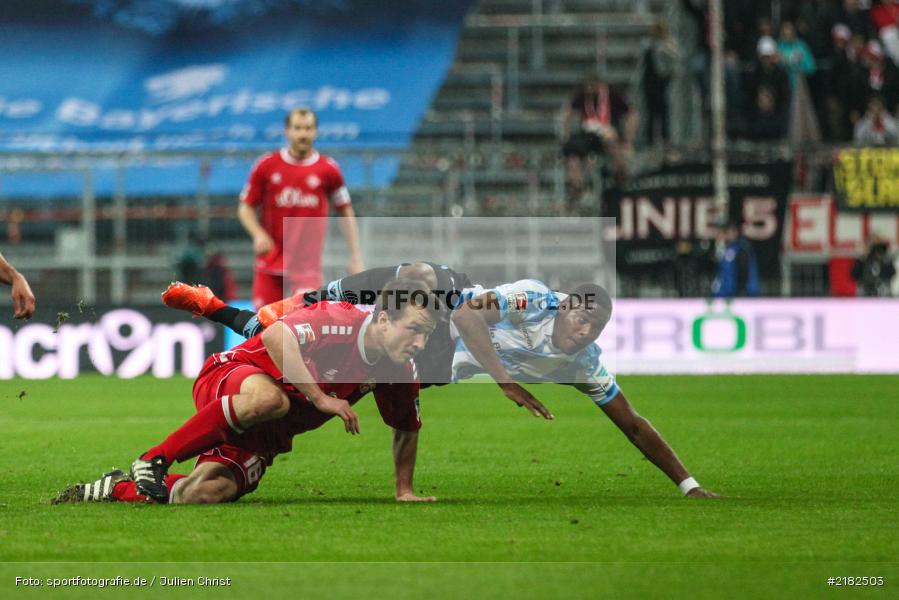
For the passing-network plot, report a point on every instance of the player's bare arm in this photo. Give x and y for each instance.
(473, 320)
(350, 231)
(644, 436)
(22, 296)
(405, 449)
(262, 241)
(284, 350)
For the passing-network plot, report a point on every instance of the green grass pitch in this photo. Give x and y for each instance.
(807, 466)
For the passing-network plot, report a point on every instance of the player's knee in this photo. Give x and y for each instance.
(637, 427)
(210, 491)
(268, 403)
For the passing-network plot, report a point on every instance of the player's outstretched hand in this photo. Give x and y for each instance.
(22, 298)
(410, 497)
(341, 408)
(522, 397)
(262, 243)
(701, 493)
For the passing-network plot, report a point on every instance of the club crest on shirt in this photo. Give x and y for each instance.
(517, 302)
(276, 178)
(313, 181)
(305, 333)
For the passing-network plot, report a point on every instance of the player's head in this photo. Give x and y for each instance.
(300, 129)
(581, 318)
(405, 315)
(419, 271)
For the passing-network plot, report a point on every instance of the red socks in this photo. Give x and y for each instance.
(126, 491)
(214, 424)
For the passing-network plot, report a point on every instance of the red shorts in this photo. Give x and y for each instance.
(246, 467)
(247, 464)
(267, 288)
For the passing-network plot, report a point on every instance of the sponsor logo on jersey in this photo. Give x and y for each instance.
(517, 302)
(330, 374)
(276, 178)
(527, 336)
(293, 197)
(305, 333)
(313, 181)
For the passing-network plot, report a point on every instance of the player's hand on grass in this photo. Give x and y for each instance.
(522, 397)
(22, 297)
(701, 493)
(262, 243)
(341, 408)
(411, 497)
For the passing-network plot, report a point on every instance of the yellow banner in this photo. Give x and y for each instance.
(867, 179)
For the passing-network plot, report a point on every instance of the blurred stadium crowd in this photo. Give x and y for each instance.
(807, 70)
(839, 54)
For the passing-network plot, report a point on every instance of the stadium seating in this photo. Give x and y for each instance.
(580, 37)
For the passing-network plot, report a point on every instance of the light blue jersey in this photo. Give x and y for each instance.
(523, 342)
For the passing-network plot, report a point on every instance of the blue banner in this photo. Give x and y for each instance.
(78, 78)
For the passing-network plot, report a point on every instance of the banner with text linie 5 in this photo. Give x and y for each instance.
(676, 204)
(856, 335)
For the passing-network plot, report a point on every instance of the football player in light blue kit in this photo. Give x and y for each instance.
(526, 332)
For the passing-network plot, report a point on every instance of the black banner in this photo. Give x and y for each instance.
(116, 341)
(867, 179)
(660, 212)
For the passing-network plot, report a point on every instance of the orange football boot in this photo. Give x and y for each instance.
(270, 313)
(197, 299)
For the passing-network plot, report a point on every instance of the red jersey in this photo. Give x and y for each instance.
(282, 186)
(330, 336)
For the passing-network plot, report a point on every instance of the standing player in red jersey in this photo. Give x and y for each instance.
(295, 181)
(313, 364)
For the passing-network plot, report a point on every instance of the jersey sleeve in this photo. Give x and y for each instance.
(525, 300)
(398, 402)
(254, 190)
(338, 194)
(594, 380)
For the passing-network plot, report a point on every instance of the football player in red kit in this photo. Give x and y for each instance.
(313, 364)
(284, 189)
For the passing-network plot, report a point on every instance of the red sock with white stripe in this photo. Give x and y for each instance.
(126, 491)
(214, 424)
